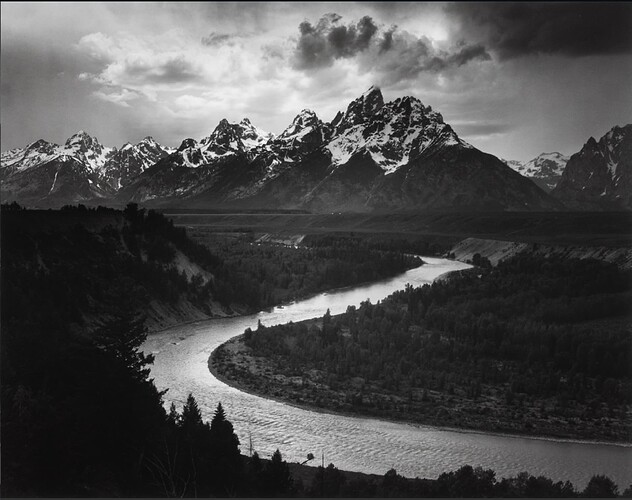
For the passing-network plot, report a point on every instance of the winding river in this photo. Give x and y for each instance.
(360, 444)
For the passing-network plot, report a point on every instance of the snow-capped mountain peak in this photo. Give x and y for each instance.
(393, 133)
(187, 144)
(545, 169)
(224, 140)
(24, 158)
(305, 134)
(252, 136)
(148, 140)
(302, 124)
(360, 110)
(87, 149)
(82, 140)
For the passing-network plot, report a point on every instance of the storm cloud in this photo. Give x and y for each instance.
(318, 46)
(395, 53)
(570, 29)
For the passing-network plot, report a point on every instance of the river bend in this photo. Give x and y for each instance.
(354, 443)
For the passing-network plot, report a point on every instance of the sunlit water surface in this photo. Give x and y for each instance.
(360, 444)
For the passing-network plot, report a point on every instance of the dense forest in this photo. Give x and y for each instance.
(266, 274)
(537, 345)
(66, 261)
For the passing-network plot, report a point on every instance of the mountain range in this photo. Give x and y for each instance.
(82, 169)
(374, 156)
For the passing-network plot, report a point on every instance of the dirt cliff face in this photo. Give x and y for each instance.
(497, 250)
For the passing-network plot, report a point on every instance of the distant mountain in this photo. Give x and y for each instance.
(82, 169)
(399, 155)
(131, 160)
(600, 175)
(199, 167)
(545, 170)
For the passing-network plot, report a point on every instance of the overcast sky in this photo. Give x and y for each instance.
(514, 80)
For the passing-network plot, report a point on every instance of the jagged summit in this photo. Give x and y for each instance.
(372, 100)
(186, 144)
(306, 118)
(81, 138)
(39, 144)
(359, 110)
(600, 174)
(305, 134)
(392, 133)
(252, 136)
(228, 138)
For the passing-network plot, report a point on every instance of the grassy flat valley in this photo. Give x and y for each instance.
(610, 229)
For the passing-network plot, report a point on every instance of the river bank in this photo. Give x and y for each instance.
(234, 364)
(161, 316)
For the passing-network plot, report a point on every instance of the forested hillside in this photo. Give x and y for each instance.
(80, 416)
(82, 266)
(535, 345)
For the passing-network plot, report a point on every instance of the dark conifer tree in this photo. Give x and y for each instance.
(277, 477)
(191, 420)
(122, 338)
(226, 459)
(600, 486)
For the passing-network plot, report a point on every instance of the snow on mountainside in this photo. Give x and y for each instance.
(252, 136)
(392, 133)
(131, 160)
(80, 146)
(87, 149)
(600, 175)
(24, 158)
(81, 169)
(545, 170)
(228, 139)
(305, 134)
(199, 166)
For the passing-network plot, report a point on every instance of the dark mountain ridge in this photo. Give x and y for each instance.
(599, 176)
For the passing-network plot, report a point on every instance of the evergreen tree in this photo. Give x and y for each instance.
(191, 416)
(122, 338)
(277, 476)
(601, 486)
(225, 456)
(173, 418)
